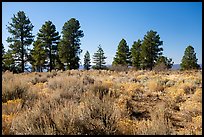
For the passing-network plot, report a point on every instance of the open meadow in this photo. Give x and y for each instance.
(102, 102)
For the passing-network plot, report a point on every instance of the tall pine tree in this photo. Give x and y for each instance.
(69, 48)
(135, 54)
(150, 49)
(20, 28)
(56, 59)
(38, 56)
(87, 61)
(189, 60)
(9, 62)
(50, 37)
(122, 56)
(99, 59)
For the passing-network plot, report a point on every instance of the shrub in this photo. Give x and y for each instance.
(63, 82)
(39, 79)
(155, 85)
(101, 115)
(160, 67)
(11, 107)
(157, 125)
(100, 90)
(192, 108)
(87, 80)
(197, 96)
(160, 123)
(30, 97)
(37, 120)
(6, 124)
(13, 88)
(118, 68)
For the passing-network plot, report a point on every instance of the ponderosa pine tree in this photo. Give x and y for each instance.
(9, 62)
(50, 37)
(20, 28)
(69, 48)
(87, 61)
(38, 56)
(189, 60)
(99, 59)
(135, 54)
(56, 60)
(122, 56)
(150, 49)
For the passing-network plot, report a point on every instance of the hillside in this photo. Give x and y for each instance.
(100, 102)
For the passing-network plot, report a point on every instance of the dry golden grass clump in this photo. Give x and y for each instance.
(9, 111)
(175, 94)
(102, 102)
(11, 106)
(6, 124)
(157, 125)
(155, 85)
(13, 86)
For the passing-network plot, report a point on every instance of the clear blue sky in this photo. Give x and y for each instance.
(179, 24)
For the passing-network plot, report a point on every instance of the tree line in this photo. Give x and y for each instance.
(52, 51)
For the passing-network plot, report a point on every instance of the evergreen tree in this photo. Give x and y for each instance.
(163, 63)
(57, 62)
(150, 49)
(9, 62)
(122, 55)
(189, 60)
(38, 56)
(87, 61)
(99, 59)
(20, 28)
(69, 48)
(15, 53)
(135, 54)
(50, 37)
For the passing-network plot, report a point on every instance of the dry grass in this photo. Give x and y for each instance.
(158, 124)
(102, 102)
(13, 86)
(11, 106)
(155, 85)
